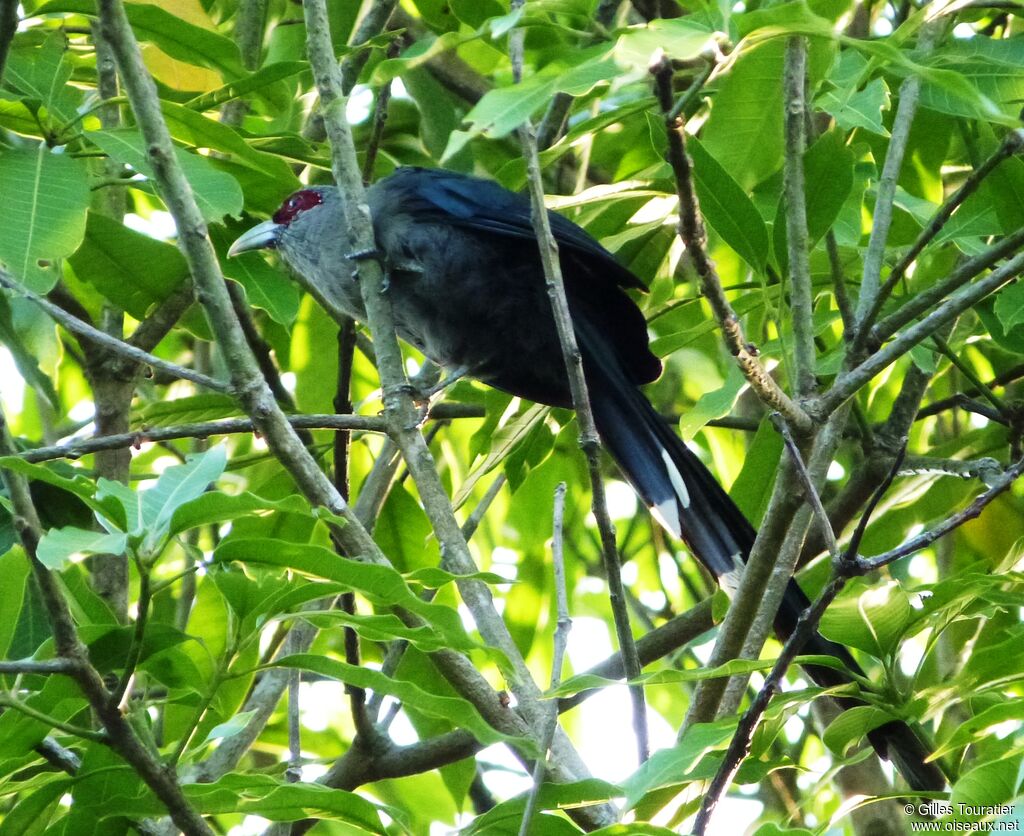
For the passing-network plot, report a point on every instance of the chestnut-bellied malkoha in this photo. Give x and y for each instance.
(467, 289)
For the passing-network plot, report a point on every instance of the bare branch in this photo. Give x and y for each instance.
(849, 382)
(910, 91)
(694, 236)
(1012, 143)
(203, 429)
(561, 640)
(798, 242)
(589, 441)
(115, 345)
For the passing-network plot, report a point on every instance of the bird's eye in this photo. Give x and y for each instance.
(298, 202)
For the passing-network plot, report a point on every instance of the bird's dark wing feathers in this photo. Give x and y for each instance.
(478, 204)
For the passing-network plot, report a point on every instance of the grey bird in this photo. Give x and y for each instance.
(467, 289)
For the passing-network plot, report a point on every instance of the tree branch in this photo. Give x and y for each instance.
(589, 441)
(694, 236)
(120, 347)
(802, 297)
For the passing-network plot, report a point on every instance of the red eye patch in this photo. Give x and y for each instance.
(298, 202)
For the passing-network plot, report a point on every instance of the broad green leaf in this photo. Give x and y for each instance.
(669, 766)
(381, 584)
(216, 507)
(178, 38)
(744, 131)
(203, 133)
(263, 77)
(35, 808)
(504, 109)
(132, 270)
(870, 618)
(231, 727)
(713, 405)
(272, 798)
(753, 486)
(180, 484)
(217, 194)
(41, 74)
(989, 784)
(980, 726)
(188, 410)
(459, 712)
(852, 725)
(726, 207)
(828, 176)
(59, 545)
(46, 196)
(681, 39)
(503, 442)
(24, 359)
(1010, 305)
(14, 569)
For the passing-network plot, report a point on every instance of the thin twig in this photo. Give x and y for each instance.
(403, 420)
(589, 440)
(848, 383)
(202, 429)
(798, 247)
(694, 236)
(293, 773)
(810, 492)
(120, 347)
(910, 91)
(845, 566)
(1011, 144)
(560, 642)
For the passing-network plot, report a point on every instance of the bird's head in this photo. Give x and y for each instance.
(309, 232)
(300, 220)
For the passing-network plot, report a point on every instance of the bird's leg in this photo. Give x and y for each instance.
(423, 397)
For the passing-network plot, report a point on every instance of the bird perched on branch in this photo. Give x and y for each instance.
(467, 289)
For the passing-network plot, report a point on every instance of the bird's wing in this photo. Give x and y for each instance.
(473, 203)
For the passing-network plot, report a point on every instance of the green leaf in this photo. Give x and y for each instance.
(180, 484)
(217, 194)
(24, 359)
(381, 584)
(669, 766)
(988, 784)
(979, 727)
(870, 618)
(1010, 305)
(59, 545)
(217, 507)
(852, 725)
(682, 39)
(231, 727)
(178, 38)
(504, 109)
(42, 74)
(132, 270)
(14, 569)
(34, 808)
(727, 208)
(828, 177)
(46, 198)
(457, 711)
(744, 130)
(713, 405)
(188, 410)
(149, 512)
(253, 83)
(852, 105)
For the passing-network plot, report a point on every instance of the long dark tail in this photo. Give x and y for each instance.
(690, 503)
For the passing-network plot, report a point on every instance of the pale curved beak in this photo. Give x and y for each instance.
(259, 237)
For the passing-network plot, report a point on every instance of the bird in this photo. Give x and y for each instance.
(464, 278)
